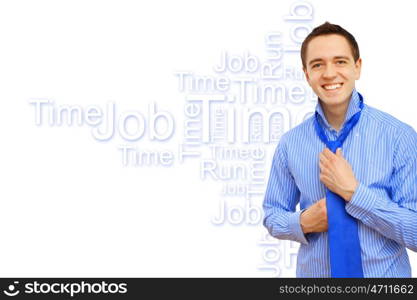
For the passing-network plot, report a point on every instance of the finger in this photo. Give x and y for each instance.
(328, 154)
(326, 163)
(324, 167)
(323, 158)
(325, 152)
(321, 203)
(325, 179)
(339, 152)
(325, 172)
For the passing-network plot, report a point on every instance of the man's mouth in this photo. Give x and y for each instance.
(333, 86)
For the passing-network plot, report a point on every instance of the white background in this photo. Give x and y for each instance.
(68, 207)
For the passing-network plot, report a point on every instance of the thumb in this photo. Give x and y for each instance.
(339, 152)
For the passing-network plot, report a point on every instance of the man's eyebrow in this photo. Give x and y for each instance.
(335, 57)
(341, 57)
(315, 60)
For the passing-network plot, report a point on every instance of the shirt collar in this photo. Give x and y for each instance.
(352, 109)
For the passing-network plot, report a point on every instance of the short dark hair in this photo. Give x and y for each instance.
(325, 29)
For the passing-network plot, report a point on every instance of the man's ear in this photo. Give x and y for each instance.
(306, 75)
(358, 67)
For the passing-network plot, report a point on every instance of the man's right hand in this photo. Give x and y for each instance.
(314, 218)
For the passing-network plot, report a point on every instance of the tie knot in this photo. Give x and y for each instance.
(333, 145)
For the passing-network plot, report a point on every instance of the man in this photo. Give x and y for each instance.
(374, 177)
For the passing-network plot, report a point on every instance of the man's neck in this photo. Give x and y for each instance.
(335, 114)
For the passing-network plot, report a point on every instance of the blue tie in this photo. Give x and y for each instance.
(344, 246)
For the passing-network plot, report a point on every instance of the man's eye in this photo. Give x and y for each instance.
(340, 62)
(316, 65)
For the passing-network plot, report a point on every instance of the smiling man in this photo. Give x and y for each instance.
(358, 206)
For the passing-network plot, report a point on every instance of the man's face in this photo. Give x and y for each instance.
(330, 68)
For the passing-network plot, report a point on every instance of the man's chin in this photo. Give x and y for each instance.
(336, 100)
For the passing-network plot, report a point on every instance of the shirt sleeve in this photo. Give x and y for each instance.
(281, 197)
(393, 212)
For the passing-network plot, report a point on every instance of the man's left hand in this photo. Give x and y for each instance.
(337, 174)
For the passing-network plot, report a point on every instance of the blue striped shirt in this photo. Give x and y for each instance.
(383, 154)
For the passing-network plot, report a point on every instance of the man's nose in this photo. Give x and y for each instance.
(329, 71)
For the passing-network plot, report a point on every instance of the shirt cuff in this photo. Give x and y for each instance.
(294, 225)
(362, 202)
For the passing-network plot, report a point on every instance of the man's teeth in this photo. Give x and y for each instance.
(332, 87)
